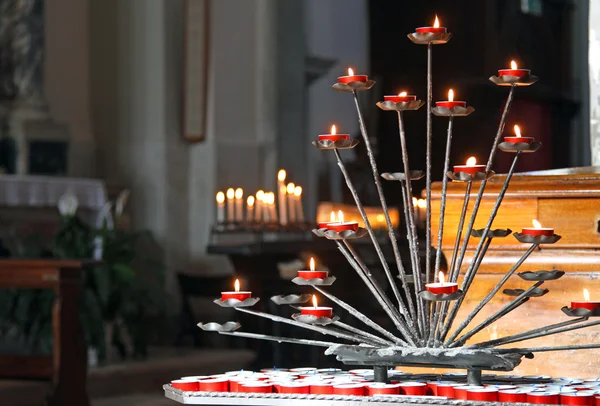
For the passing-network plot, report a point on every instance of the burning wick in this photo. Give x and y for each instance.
(450, 95)
(441, 277)
(517, 131)
(350, 72)
(312, 265)
(402, 94)
(538, 230)
(436, 23)
(237, 285)
(513, 65)
(314, 301)
(340, 217)
(472, 161)
(333, 130)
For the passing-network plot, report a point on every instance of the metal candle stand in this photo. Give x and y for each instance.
(427, 335)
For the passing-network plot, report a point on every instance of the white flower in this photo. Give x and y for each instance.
(67, 204)
(121, 202)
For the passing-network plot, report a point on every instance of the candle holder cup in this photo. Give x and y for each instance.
(456, 111)
(541, 275)
(291, 299)
(440, 297)
(249, 302)
(225, 327)
(526, 147)
(399, 176)
(536, 292)
(497, 233)
(341, 235)
(509, 80)
(325, 145)
(400, 106)
(537, 239)
(580, 312)
(310, 319)
(468, 177)
(353, 86)
(429, 38)
(314, 281)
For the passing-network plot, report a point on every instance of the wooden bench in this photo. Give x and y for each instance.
(66, 368)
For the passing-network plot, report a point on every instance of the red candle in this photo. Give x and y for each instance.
(436, 29)
(460, 392)
(586, 304)
(513, 396)
(401, 97)
(450, 102)
(543, 398)
(342, 225)
(214, 385)
(317, 311)
(255, 387)
(323, 224)
(470, 167)
(356, 389)
(321, 388)
(334, 136)
(241, 296)
(537, 229)
(513, 71)
(352, 77)
(518, 137)
(312, 274)
(442, 286)
(483, 394)
(413, 388)
(383, 389)
(585, 398)
(185, 385)
(294, 387)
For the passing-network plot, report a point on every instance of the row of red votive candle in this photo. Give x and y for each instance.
(359, 383)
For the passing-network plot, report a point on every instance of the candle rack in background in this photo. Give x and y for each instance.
(428, 333)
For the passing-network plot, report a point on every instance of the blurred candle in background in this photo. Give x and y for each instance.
(250, 209)
(220, 207)
(281, 197)
(291, 201)
(258, 212)
(239, 208)
(230, 196)
(299, 206)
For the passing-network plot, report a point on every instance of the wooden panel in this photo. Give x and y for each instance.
(575, 219)
(35, 278)
(37, 367)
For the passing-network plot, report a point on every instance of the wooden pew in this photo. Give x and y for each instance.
(67, 367)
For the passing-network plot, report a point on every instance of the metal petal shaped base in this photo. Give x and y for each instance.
(226, 327)
(507, 80)
(537, 292)
(424, 38)
(498, 233)
(325, 145)
(400, 106)
(251, 301)
(353, 86)
(538, 239)
(414, 175)
(314, 282)
(310, 319)
(519, 146)
(342, 235)
(466, 177)
(442, 297)
(461, 358)
(456, 111)
(580, 312)
(541, 275)
(291, 299)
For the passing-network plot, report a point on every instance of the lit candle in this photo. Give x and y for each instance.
(518, 137)
(281, 197)
(299, 205)
(230, 195)
(513, 71)
(312, 273)
(470, 167)
(237, 294)
(442, 286)
(352, 77)
(421, 211)
(220, 207)
(401, 97)
(450, 102)
(291, 200)
(342, 225)
(317, 311)
(334, 136)
(323, 224)
(258, 213)
(239, 209)
(537, 230)
(250, 209)
(272, 211)
(586, 304)
(436, 29)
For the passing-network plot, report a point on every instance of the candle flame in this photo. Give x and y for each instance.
(332, 217)
(586, 294)
(402, 94)
(220, 197)
(250, 201)
(312, 264)
(298, 191)
(271, 198)
(513, 65)
(314, 301)
(380, 218)
(230, 193)
(350, 72)
(340, 216)
(450, 95)
(415, 201)
(239, 192)
(237, 285)
(436, 23)
(517, 130)
(290, 188)
(472, 161)
(422, 203)
(281, 175)
(260, 195)
(536, 223)
(441, 277)
(333, 130)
